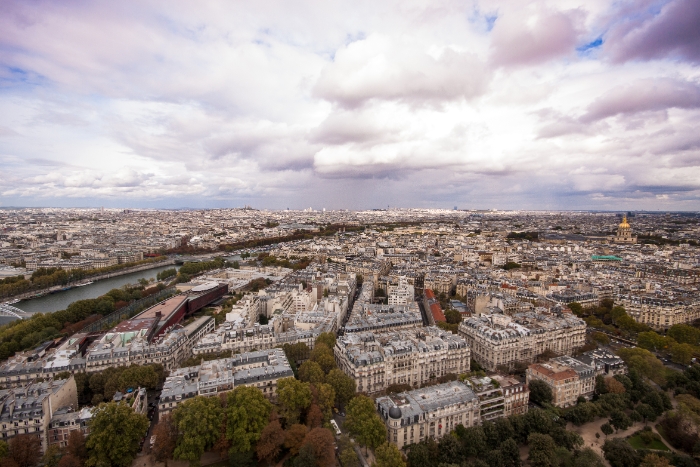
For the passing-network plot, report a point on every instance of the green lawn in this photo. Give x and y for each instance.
(636, 442)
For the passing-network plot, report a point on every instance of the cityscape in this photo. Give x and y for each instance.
(446, 233)
(359, 337)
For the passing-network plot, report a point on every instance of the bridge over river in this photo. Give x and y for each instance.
(13, 312)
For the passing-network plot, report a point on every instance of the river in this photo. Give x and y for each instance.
(61, 300)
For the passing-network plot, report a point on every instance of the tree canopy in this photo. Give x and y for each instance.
(115, 434)
(363, 422)
(540, 392)
(247, 413)
(293, 396)
(198, 422)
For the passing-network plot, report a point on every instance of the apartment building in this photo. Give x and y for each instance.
(605, 362)
(432, 412)
(260, 369)
(401, 293)
(499, 396)
(370, 317)
(29, 409)
(64, 421)
(568, 378)
(659, 313)
(376, 360)
(130, 343)
(499, 340)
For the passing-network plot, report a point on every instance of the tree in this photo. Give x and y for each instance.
(619, 453)
(576, 308)
(600, 386)
(682, 353)
(540, 392)
(424, 454)
(494, 457)
(492, 436)
(270, 443)
(198, 421)
(619, 420)
(644, 362)
(25, 450)
(652, 460)
(343, 385)
(305, 458)
(325, 398)
(582, 413)
(115, 434)
(323, 355)
(311, 372)
(294, 438)
(653, 341)
(542, 450)
(504, 428)
(450, 450)
(165, 433)
(388, 455)
(52, 456)
(510, 453)
(348, 457)
(76, 445)
(247, 414)
(474, 441)
(69, 460)
(646, 412)
(606, 429)
(320, 442)
(314, 418)
(613, 386)
(327, 338)
(587, 458)
(4, 449)
(453, 316)
(600, 337)
(293, 396)
(684, 334)
(363, 422)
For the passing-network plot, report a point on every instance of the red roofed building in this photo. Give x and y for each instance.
(432, 305)
(563, 381)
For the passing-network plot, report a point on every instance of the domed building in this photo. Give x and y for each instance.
(624, 233)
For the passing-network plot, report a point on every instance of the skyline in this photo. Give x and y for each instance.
(545, 106)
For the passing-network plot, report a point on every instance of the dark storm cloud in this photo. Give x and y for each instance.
(673, 32)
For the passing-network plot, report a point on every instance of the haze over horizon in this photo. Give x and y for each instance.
(499, 104)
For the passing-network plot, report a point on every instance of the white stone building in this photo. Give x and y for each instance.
(500, 340)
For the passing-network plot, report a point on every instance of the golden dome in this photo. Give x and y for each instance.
(624, 224)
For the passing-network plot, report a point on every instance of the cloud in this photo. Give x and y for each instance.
(648, 95)
(400, 69)
(535, 36)
(349, 105)
(5, 131)
(354, 126)
(672, 32)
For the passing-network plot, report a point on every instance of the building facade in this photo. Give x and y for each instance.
(29, 410)
(499, 340)
(568, 378)
(409, 356)
(260, 369)
(432, 412)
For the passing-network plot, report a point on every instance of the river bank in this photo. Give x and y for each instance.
(61, 300)
(41, 292)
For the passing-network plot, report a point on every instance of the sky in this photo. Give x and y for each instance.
(503, 104)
